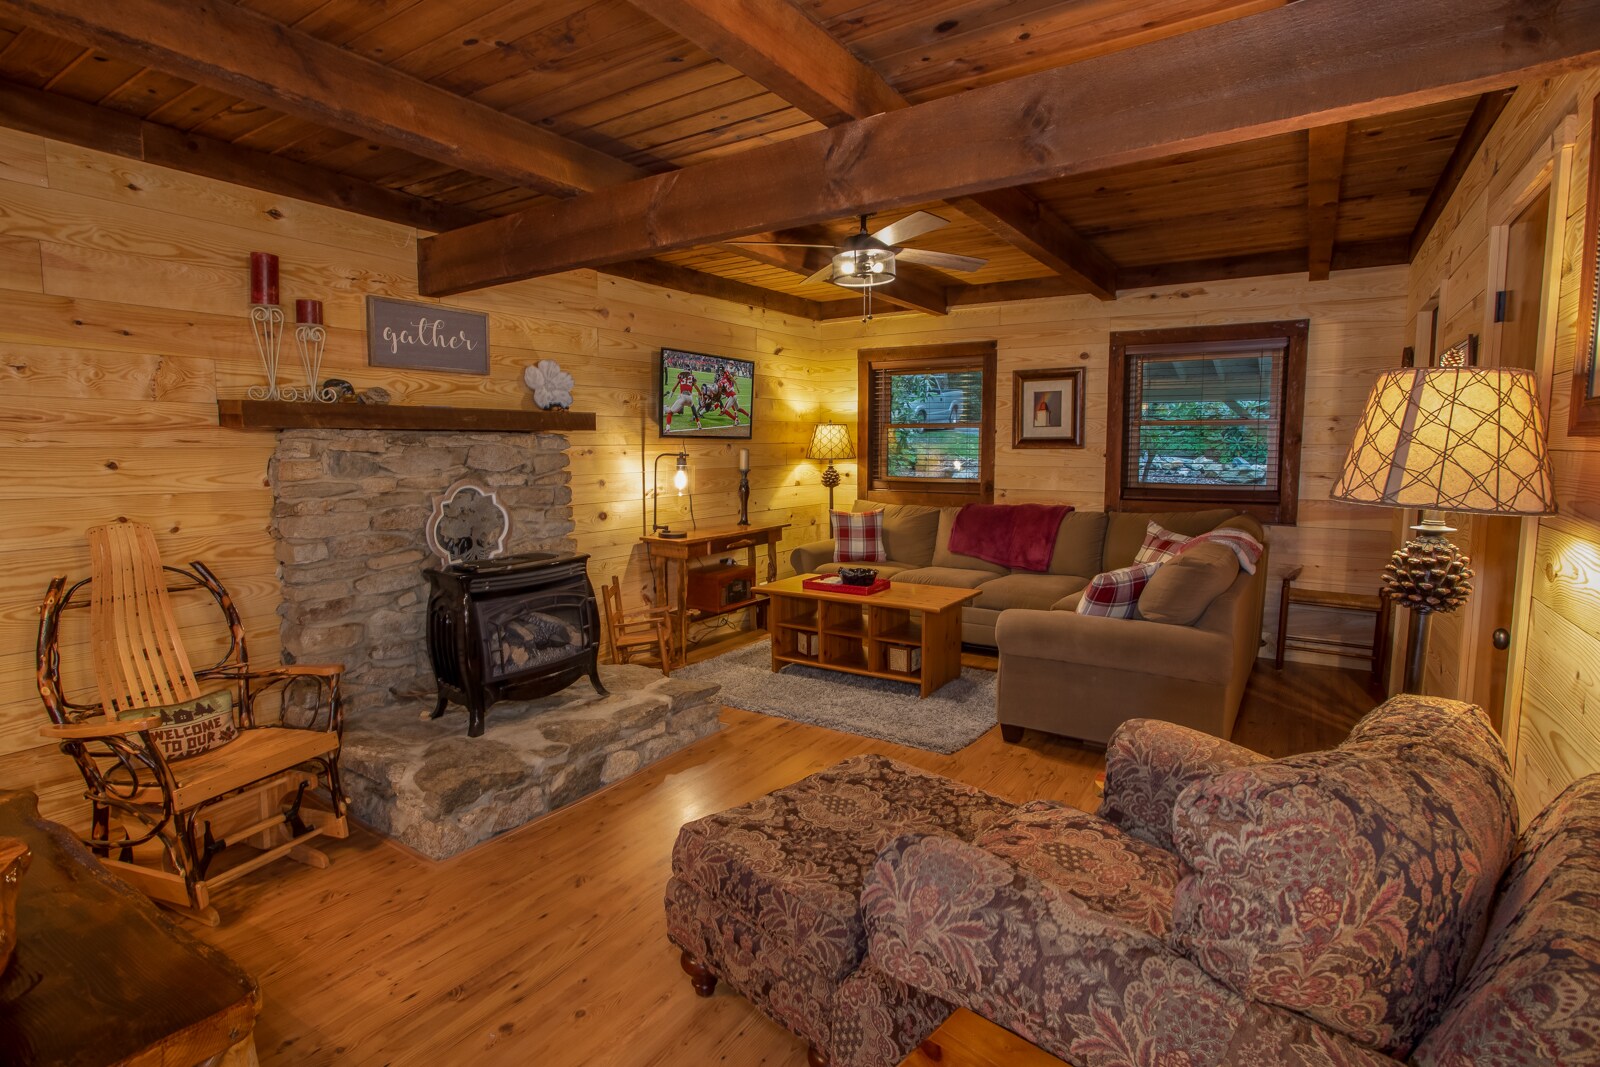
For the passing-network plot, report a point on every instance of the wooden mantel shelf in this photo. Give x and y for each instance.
(285, 415)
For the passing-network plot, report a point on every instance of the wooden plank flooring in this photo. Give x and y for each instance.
(546, 946)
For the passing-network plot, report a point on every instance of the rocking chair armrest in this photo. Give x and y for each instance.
(302, 670)
(109, 728)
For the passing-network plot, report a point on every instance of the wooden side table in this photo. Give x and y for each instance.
(102, 977)
(968, 1040)
(677, 553)
(1376, 654)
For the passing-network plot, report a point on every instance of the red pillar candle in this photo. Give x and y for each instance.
(263, 278)
(308, 312)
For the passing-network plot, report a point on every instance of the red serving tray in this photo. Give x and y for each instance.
(818, 585)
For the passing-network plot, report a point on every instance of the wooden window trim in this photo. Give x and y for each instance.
(1282, 510)
(881, 489)
(1583, 420)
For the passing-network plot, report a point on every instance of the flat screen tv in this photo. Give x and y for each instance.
(704, 396)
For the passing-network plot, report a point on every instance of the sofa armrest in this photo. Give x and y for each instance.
(1148, 763)
(1159, 648)
(807, 558)
(949, 919)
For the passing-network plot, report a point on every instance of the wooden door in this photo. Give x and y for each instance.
(1497, 541)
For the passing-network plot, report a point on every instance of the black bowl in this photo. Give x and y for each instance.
(857, 575)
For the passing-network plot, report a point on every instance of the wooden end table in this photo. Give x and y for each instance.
(856, 634)
(968, 1040)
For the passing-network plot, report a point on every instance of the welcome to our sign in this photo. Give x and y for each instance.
(426, 337)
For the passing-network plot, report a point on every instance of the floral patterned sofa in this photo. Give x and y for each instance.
(1362, 906)
(1367, 905)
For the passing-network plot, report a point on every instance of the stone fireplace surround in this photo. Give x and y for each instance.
(348, 519)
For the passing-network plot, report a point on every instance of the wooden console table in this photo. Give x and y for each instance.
(707, 543)
(102, 977)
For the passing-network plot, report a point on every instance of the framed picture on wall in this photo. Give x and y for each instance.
(1047, 408)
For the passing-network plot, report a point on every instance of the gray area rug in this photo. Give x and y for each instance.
(950, 719)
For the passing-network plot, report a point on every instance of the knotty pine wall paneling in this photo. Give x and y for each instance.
(1357, 329)
(123, 293)
(1557, 738)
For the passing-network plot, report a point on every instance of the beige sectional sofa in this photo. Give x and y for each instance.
(1077, 675)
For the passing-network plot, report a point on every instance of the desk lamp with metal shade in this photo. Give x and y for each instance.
(680, 482)
(830, 441)
(1468, 440)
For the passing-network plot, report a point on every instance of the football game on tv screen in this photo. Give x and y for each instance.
(705, 396)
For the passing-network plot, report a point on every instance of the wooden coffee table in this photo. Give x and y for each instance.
(859, 634)
(968, 1040)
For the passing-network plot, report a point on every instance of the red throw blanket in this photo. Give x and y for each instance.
(1019, 536)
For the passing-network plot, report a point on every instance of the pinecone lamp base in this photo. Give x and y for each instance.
(1427, 574)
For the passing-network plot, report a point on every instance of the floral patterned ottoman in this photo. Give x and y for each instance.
(766, 897)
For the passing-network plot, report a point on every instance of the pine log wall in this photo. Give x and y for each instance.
(1357, 329)
(123, 299)
(1556, 739)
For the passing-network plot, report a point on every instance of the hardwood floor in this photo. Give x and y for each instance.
(546, 946)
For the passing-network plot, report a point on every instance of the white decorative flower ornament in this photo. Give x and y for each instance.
(552, 386)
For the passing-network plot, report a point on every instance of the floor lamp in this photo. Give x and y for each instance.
(1440, 439)
(830, 441)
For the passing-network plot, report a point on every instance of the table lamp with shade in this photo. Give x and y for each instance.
(830, 441)
(1466, 440)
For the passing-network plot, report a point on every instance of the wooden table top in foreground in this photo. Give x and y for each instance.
(968, 1040)
(905, 595)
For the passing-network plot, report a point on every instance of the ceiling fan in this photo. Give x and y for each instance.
(865, 260)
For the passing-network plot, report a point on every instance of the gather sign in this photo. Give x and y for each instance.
(401, 333)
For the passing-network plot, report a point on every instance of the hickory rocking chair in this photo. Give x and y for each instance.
(176, 811)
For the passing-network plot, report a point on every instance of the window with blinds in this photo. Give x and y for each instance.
(927, 422)
(1208, 415)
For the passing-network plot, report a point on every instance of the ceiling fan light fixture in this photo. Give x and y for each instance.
(863, 268)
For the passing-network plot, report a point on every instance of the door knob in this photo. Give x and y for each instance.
(1501, 639)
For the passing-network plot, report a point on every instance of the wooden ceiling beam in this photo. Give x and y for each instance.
(1372, 59)
(61, 118)
(777, 45)
(103, 130)
(234, 50)
(1483, 117)
(1324, 174)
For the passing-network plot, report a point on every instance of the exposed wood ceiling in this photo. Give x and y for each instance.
(441, 113)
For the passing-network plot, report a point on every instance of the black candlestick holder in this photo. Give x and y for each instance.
(744, 498)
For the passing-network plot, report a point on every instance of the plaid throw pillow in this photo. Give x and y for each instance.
(858, 536)
(1115, 594)
(1161, 544)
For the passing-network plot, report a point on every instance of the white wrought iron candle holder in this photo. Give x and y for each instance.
(266, 322)
(311, 338)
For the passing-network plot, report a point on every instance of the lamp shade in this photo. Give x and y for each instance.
(1469, 439)
(830, 441)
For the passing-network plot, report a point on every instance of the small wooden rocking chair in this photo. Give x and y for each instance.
(250, 788)
(632, 631)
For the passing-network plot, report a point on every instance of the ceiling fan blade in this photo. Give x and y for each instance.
(821, 275)
(775, 244)
(947, 260)
(913, 225)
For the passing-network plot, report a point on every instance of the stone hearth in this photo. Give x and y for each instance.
(428, 785)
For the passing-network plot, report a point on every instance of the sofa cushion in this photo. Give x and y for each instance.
(1534, 991)
(1125, 530)
(1079, 544)
(1115, 594)
(909, 531)
(943, 557)
(1118, 875)
(1353, 885)
(792, 863)
(1027, 590)
(1069, 602)
(1181, 589)
(1161, 544)
(857, 536)
(957, 577)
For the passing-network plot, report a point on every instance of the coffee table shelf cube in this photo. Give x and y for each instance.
(854, 634)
